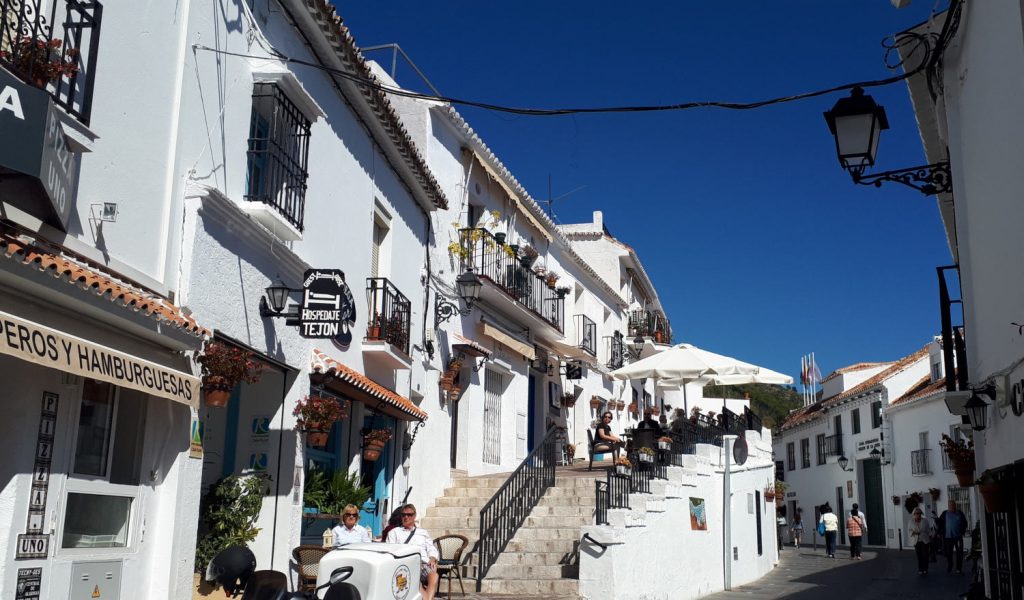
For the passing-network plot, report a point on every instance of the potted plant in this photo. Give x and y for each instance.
(694, 415)
(551, 278)
(623, 466)
(328, 493)
(43, 60)
(570, 451)
(596, 402)
(646, 454)
(664, 443)
(568, 399)
(527, 255)
(659, 336)
(562, 291)
(499, 236)
(316, 415)
(935, 493)
(373, 331)
(961, 454)
(769, 494)
(994, 493)
(373, 443)
(896, 500)
(620, 404)
(223, 367)
(913, 501)
(780, 488)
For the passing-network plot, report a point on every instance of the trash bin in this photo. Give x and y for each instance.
(379, 571)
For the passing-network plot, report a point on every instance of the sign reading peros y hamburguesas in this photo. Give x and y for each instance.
(48, 347)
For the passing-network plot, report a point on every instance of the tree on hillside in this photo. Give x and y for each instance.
(771, 402)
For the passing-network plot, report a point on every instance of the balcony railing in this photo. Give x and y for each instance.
(587, 333)
(919, 462)
(501, 265)
(53, 46)
(645, 323)
(390, 313)
(947, 462)
(834, 445)
(616, 350)
(954, 349)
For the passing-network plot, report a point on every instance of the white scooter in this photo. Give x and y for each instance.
(369, 572)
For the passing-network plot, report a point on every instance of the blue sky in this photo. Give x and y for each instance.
(760, 245)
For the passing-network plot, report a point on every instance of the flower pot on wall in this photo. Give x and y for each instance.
(317, 438)
(595, 403)
(964, 475)
(216, 391)
(371, 454)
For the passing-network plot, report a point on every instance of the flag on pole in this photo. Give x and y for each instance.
(803, 371)
(815, 374)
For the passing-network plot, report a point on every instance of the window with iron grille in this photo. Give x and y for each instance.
(616, 350)
(276, 170)
(919, 463)
(855, 420)
(819, 443)
(791, 456)
(805, 453)
(876, 414)
(587, 333)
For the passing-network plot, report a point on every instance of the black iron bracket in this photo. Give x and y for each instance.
(927, 179)
(587, 537)
(445, 309)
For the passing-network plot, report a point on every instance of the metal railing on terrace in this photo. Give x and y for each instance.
(390, 313)
(947, 462)
(919, 464)
(646, 323)
(616, 350)
(587, 333)
(53, 45)
(501, 264)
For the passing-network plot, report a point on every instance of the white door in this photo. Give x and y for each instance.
(493, 386)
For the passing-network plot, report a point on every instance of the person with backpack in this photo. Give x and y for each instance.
(828, 525)
(855, 527)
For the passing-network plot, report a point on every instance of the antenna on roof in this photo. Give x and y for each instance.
(549, 203)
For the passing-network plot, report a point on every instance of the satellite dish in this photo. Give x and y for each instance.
(739, 450)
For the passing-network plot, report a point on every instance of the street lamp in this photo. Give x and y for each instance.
(857, 122)
(637, 346)
(274, 301)
(843, 462)
(469, 286)
(977, 410)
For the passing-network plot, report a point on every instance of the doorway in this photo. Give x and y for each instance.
(493, 386)
(841, 513)
(873, 502)
(377, 476)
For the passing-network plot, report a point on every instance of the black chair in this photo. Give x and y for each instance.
(599, 448)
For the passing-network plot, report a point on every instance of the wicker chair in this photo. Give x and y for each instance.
(307, 561)
(450, 548)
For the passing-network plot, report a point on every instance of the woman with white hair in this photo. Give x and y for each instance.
(922, 530)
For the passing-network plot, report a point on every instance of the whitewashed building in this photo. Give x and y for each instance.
(967, 115)
(846, 424)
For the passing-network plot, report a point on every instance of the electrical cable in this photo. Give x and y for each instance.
(908, 43)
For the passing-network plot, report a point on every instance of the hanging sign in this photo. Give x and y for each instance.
(57, 350)
(195, 449)
(328, 309)
(34, 543)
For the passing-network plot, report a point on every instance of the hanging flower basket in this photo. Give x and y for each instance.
(623, 467)
(621, 404)
(373, 441)
(596, 402)
(961, 454)
(317, 438)
(371, 454)
(896, 500)
(316, 416)
(964, 474)
(568, 400)
(216, 392)
(222, 368)
(912, 502)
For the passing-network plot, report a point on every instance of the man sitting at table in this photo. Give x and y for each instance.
(418, 537)
(350, 531)
(649, 422)
(604, 439)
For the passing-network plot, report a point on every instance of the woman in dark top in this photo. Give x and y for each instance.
(605, 440)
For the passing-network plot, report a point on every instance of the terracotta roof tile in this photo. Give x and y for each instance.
(805, 415)
(326, 365)
(921, 389)
(52, 258)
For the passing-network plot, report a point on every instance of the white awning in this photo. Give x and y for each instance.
(48, 347)
(572, 352)
(524, 348)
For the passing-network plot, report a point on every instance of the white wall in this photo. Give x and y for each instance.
(656, 531)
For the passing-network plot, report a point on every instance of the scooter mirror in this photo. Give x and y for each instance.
(340, 574)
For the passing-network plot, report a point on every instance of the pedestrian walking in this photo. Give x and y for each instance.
(830, 523)
(781, 524)
(922, 530)
(952, 527)
(797, 528)
(855, 527)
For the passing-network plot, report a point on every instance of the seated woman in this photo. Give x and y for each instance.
(605, 440)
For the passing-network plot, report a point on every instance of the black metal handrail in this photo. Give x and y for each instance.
(601, 505)
(390, 313)
(505, 512)
(55, 52)
(732, 421)
(501, 265)
(586, 331)
(754, 422)
(919, 462)
(834, 444)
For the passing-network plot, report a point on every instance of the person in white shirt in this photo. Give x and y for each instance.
(410, 534)
(350, 531)
(831, 522)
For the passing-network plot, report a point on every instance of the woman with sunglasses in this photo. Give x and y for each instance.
(349, 531)
(605, 440)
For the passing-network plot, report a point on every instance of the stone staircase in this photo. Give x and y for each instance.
(541, 559)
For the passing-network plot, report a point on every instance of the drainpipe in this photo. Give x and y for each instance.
(727, 442)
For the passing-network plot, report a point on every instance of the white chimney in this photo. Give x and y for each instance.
(599, 220)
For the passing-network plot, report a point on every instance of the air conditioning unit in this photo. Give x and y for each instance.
(955, 402)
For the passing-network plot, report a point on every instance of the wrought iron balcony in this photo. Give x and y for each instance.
(652, 324)
(947, 462)
(616, 350)
(954, 349)
(390, 313)
(919, 464)
(501, 265)
(53, 46)
(586, 331)
(834, 445)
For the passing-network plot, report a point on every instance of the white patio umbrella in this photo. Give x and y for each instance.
(686, 362)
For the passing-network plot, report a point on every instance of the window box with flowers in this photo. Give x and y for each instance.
(623, 467)
(646, 455)
(223, 367)
(664, 443)
(961, 454)
(373, 443)
(316, 416)
(43, 61)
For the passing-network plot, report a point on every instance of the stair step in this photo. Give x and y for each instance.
(562, 546)
(551, 572)
(531, 587)
(535, 558)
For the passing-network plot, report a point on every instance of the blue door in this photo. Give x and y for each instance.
(377, 475)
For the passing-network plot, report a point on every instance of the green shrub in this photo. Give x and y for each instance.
(329, 495)
(228, 514)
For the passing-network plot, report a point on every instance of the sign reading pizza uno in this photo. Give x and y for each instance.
(327, 309)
